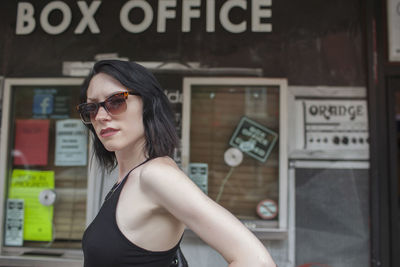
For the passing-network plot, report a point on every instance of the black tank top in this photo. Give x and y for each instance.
(104, 245)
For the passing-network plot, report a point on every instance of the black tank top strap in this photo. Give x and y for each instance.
(137, 166)
(118, 185)
(126, 176)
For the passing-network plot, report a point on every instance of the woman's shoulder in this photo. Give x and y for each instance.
(161, 167)
(160, 162)
(160, 175)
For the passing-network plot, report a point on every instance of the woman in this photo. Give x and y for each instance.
(143, 217)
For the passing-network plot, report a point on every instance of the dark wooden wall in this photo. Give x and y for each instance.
(312, 42)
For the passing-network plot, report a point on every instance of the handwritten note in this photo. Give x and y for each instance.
(27, 185)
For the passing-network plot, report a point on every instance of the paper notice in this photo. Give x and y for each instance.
(71, 143)
(31, 142)
(27, 185)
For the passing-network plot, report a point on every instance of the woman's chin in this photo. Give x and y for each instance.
(111, 148)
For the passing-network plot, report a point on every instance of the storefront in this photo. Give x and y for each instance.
(272, 105)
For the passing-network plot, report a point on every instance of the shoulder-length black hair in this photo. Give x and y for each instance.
(160, 134)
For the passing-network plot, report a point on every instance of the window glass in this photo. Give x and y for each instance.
(245, 118)
(47, 167)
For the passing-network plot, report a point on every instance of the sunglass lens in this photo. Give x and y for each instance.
(88, 111)
(116, 104)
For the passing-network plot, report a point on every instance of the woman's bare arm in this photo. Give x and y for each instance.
(172, 189)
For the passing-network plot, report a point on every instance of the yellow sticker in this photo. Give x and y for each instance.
(27, 185)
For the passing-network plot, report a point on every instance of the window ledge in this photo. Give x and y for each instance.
(270, 233)
(265, 233)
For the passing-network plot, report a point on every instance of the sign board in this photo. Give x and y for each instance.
(158, 14)
(335, 124)
(267, 209)
(393, 15)
(254, 139)
(71, 143)
(349, 113)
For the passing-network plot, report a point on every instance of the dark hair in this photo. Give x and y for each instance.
(160, 134)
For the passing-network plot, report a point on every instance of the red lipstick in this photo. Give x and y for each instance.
(108, 132)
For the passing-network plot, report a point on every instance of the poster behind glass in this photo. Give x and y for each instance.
(46, 177)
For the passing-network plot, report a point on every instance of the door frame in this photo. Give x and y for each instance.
(393, 86)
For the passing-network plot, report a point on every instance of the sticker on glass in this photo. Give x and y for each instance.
(254, 139)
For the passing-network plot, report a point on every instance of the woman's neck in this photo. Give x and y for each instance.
(128, 160)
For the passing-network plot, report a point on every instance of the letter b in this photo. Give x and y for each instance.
(25, 20)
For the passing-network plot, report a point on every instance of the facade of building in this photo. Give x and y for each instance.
(288, 114)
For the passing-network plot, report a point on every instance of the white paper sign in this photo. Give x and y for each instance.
(71, 143)
(198, 172)
(14, 224)
(393, 10)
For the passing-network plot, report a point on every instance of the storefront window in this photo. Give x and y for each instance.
(232, 139)
(44, 155)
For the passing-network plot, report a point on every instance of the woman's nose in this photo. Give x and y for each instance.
(102, 114)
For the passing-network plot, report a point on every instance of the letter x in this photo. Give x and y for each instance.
(87, 19)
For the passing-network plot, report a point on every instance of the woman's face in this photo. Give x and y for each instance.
(124, 131)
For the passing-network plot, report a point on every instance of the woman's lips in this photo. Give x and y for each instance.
(108, 132)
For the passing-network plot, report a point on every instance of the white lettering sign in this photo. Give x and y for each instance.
(166, 11)
(88, 20)
(259, 10)
(66, 20)
(189, 12)
(335, 111)
(124, 16)
(224, 16)
(210, 24)
(174, 97)
(26, 22)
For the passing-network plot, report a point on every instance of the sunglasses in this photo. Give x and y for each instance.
(113, 105)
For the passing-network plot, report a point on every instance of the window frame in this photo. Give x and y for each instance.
(262, 231)
(8, 84)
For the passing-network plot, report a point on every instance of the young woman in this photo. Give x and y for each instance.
(143, 217)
